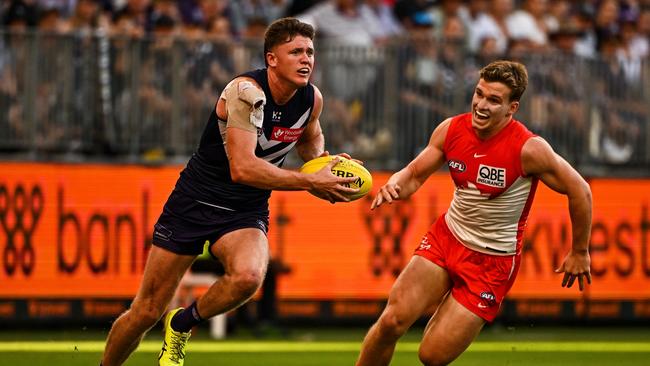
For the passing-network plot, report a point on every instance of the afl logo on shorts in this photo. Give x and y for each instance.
(487, 299)
(491, 176)
(457, 166)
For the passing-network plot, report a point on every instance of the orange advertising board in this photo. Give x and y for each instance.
(619, 247)
(71, 231)
(77, 230)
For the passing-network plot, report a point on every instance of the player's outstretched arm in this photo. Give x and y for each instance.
(539, 159)
(404, 183)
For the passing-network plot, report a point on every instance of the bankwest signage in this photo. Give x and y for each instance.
(83, 231)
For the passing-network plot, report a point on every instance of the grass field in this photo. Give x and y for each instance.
(339, 346)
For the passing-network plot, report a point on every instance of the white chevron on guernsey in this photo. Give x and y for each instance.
(278, 153)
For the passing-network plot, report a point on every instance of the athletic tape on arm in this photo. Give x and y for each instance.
(245, 103)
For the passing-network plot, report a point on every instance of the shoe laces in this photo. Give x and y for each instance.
(177, 346)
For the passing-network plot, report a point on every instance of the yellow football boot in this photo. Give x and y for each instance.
(174, 343)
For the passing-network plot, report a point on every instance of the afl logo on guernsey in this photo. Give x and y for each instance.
(491, 176)
(458, 166)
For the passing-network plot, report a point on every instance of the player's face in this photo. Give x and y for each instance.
(293, 61)
(491, 107)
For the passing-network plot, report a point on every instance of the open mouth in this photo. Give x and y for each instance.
(304, 71)
(481, 116)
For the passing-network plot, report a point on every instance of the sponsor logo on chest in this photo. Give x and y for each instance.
(284, 134)
(491, 176)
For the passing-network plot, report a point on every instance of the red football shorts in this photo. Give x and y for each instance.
(479, 281)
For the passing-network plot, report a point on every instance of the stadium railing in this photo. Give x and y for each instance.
(86, 97)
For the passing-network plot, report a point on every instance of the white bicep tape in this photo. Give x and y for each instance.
(254, 97)
(245, 103)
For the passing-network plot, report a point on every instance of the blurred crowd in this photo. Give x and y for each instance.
(586, 58)
(583, 27)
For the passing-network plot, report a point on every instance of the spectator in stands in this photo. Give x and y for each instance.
(453, 40)
(564, 39)
(606, 21)
(155, 94)
(124, 27)
(190, 11)
(641, 40)
(421, 72)
(252, 37)
(472, 17)
(566, 100)
(20, 15)
(51, 84)
(488, 51)
(87, 17)
(65, 7)
(243, 11)
(193, 32)
(558, 13)
(345, 22)
(442, 11)
(205, 11)
(586, 45)
(493, 25)
(629, 55)
(384, 13)
(413, 13)
(126, 37)
(50, 21)
(618, 138)
(169, 9)
(348, 31)
(528, 23)
(16, 19)
(219, 29)
(139, 11)
(210, 65)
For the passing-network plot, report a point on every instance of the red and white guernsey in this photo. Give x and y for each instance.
(493, 196)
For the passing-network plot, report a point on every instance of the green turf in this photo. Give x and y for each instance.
(534, 346)
(338, 358)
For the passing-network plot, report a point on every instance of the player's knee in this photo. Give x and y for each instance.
(247, 282)
(392, 324)
(146, 314)
(433, 357)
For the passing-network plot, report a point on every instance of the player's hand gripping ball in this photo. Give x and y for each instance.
(344, 168)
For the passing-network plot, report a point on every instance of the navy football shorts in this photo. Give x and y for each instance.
(185, 224)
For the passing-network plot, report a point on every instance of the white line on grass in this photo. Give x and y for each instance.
(246, 347)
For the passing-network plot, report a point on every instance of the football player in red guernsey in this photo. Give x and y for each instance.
(469, 258)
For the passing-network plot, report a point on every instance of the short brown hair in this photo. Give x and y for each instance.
(512, 74)
(285, 30)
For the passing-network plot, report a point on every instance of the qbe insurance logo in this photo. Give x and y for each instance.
(491, 176)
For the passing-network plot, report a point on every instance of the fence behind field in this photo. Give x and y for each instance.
(81, 97)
